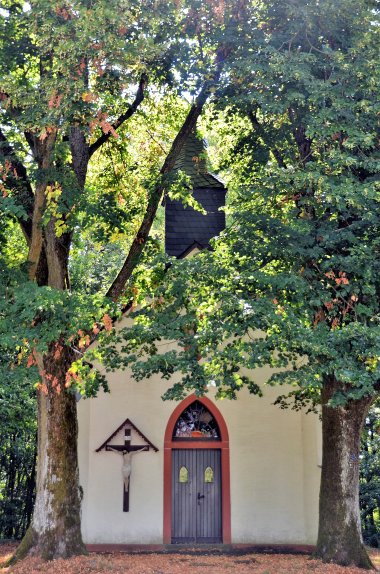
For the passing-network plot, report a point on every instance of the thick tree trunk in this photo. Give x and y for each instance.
(339, 537)
(55, 528)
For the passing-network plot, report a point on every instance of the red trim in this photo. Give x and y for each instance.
(188, 549)
(223, 445)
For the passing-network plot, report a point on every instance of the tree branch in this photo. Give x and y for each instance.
(188, 126)
(123, 117)
(299, 133)
(260, 130)
(24, 191)
(44, 153)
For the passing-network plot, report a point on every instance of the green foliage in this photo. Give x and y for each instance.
(369, 477)
(18, 444)
(85, 62)
(293, 283)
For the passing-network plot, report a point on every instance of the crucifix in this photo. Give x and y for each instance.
(127, 450)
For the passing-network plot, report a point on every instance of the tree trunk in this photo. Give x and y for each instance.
(339, 537)
(55, 528)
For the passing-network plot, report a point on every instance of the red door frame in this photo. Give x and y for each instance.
(224, 447)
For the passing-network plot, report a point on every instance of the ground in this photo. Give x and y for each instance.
(195, 563)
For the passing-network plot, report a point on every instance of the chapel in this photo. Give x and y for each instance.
(200, 471)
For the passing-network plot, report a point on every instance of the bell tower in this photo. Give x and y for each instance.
(186, 229)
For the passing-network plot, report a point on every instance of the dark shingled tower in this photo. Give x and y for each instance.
(185, 228)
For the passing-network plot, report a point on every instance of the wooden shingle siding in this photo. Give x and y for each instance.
(185, 225)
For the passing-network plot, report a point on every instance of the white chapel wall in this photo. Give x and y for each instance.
(273, 462)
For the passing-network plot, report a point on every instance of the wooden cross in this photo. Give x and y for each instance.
(127, 447)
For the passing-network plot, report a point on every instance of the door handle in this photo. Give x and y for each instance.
(200, 495)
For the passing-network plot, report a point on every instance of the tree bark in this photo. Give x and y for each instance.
(55, 528)
(44, 148)
(339, 537)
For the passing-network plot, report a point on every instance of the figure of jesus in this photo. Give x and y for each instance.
(126, 469)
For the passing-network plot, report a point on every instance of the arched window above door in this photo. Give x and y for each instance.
(196, 423)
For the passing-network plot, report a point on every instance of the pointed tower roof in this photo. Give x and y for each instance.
(193, 161)
(186, 229)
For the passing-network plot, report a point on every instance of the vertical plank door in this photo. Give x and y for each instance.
(196, 496)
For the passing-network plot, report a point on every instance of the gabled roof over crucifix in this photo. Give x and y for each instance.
(127, 424)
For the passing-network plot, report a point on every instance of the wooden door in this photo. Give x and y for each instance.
(196, 496)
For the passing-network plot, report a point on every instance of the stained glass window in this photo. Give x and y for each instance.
(209, 474)
(183, 474)
(196, 422)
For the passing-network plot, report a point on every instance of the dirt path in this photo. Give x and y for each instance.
(176, 564)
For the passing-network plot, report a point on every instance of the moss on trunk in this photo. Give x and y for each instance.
(339, 537)
(55, 529)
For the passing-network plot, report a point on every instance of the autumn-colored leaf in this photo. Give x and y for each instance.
(58, 352)
(68, 380)
(62, 11)
(107, 321)
(248, 563)
(108, 128)
(43, 388)
(89, 97)
(342, 279)
(52, 100)
(84, 341)
(318, 317)
(31, 361)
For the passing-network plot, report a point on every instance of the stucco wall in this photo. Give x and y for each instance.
(274, 457)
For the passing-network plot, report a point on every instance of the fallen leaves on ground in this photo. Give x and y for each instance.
(121, 563)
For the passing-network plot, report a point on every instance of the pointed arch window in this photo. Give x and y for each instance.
(209, 474)
(196, 423)
(183, 474)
